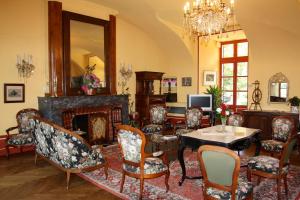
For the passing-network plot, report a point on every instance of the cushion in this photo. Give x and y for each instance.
(152, 166)
(282, 128)
(265, 164)
(193, 117)
(272, 145)
(152, 128)
(183, 131)
(243, 190)
(21, 139)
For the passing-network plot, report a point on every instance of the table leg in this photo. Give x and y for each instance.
(181, 161)
(258, 145)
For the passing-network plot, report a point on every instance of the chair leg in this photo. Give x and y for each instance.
(122, 182)
(249, 175)
(105, 170)
(286, 185)
(7, 151)
(167, 180)
(278, 188)
(141, 187)
(68, 179)
(35, 158)
(258, 180)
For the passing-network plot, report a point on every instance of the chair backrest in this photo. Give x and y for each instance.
(23, 117)
(282, 127)
(158, 114)
(61, 146)
(132, 143)
(220, 168)
(193, 117)
(235, 120)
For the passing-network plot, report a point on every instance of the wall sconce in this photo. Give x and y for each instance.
(25, 66)
(126, 73)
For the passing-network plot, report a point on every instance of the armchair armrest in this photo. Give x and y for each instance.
(10, 129)
(158, 154)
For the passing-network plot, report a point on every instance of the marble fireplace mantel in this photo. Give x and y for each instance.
(52, 107)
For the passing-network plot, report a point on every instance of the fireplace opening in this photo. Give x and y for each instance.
(80, 125)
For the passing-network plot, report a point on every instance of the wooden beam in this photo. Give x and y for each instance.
(112, 53)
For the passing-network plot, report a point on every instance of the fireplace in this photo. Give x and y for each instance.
(52, 108)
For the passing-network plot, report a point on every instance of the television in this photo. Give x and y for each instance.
(205, 101)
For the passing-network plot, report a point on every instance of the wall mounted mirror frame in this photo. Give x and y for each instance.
(278, 88)
(58, 72)
(75, 28)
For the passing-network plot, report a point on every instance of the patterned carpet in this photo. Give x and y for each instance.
(191, 189)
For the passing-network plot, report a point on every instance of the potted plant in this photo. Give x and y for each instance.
(294, 102)
(217, 95)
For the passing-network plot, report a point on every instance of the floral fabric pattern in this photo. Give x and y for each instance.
(272, 145)
(157, 114)
(235, 120)
(21, 139)
(64, 149)
(151, 166)
(131, 144)
(266, 164)
(152, 128)
(243, 190)
(23, 120)
(282, 129)
(193, 116)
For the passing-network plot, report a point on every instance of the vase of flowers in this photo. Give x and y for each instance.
(90, 82)
(222, 113)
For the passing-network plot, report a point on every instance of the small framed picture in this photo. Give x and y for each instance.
(186, 81)
(14, 93)
(210, 78)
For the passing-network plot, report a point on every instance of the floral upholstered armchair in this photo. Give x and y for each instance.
(235, 120)
(66, 149)
(192, 119)
(24, 135)
(283, 129)
(136, 162)
(158, 115)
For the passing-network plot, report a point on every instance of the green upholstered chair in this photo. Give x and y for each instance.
(220, 168)
(269, 167)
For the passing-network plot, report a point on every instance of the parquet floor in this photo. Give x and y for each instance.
(20, 179)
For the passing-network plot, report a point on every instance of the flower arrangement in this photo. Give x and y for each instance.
(90, 81)
(223, 112)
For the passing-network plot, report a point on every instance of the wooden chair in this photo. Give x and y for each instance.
(235, 120)
(158, 117)
(193, 117)
(220, 168)
(136, 162)
(24, 135)
(282, 129)
(273, 168)
(116, 118)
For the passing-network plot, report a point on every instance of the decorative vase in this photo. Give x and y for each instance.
(295, 109)
(89, 91)
(223, 121)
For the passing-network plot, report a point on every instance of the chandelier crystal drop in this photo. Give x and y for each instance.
(207, 17)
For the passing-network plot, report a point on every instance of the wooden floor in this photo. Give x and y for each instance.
(20, 179)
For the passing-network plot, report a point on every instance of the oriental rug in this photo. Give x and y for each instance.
(191, 189)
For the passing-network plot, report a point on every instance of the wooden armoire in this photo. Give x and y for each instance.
(145, 96)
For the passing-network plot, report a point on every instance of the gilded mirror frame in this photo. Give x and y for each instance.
(278, 78)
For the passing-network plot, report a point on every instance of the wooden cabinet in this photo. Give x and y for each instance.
(263, 120)
(145, 96)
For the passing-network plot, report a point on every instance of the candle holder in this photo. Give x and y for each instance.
(126, 73)
(25, 66)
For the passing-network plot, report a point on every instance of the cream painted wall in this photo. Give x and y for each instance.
(27, 32)
(22, 32)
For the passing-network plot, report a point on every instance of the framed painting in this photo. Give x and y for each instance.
(186, 81)
(210, 78)
(14, 93)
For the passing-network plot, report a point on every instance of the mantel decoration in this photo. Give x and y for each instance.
(90, 81)
(294, 102)
(208, 17)
(25, 66)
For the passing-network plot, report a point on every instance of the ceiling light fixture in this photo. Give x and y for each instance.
(208, 17)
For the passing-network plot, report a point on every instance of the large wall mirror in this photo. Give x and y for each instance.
(85, 46)
(278, 88)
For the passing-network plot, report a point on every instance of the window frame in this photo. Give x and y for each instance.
(234, 60)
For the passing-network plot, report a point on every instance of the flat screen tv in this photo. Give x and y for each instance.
(204, 101)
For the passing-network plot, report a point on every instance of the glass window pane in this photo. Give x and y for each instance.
(227, 98)
(242, 83)
(227, 69)
(242, 69)
(227, 83)
(227, 51)
(241, 98)
(242, 49)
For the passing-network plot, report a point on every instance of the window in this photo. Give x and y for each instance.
(234, 74)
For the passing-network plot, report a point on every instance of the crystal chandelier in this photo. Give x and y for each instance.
(207, 17)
